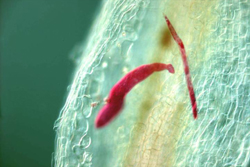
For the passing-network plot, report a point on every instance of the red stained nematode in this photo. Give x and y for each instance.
(186, 67)
(121, 88)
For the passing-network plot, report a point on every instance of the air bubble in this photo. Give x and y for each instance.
(104, 64)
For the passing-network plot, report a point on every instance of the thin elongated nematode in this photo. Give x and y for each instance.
(121, 88)
(186, 67)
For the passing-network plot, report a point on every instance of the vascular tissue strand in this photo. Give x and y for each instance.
(120, 89)
(186, 67)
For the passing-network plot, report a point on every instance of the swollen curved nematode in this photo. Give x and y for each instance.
(121, 88)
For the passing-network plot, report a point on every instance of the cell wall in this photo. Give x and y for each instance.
(156, 127)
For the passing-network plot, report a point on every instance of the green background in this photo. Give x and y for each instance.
(36, 38)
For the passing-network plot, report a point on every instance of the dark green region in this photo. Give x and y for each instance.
(36, 37)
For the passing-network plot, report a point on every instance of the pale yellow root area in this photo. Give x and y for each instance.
(163, 111)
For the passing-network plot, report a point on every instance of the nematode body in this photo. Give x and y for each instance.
(186, 67)
(121, 88)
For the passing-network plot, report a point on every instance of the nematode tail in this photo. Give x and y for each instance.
(186, 67)
(121, 88)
